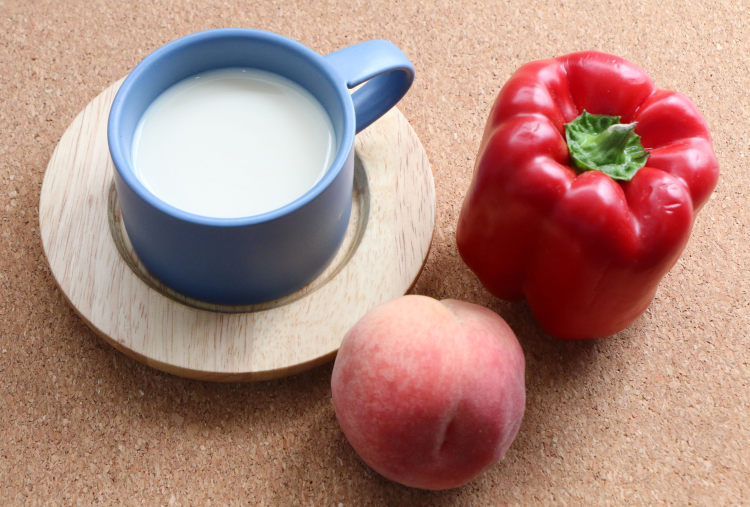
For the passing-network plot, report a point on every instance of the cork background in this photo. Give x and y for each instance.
(659, 413)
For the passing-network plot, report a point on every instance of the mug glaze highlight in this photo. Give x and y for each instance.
(261, 257)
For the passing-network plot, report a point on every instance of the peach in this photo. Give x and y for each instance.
(429, 393)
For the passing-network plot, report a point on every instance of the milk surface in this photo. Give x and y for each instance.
(233, 143)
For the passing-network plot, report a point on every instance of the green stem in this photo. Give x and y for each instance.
(601, 143)
(608, 147)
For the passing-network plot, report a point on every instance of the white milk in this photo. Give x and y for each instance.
(233, 143)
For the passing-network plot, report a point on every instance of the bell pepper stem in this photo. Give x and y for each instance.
(609, 145)
(602, 143)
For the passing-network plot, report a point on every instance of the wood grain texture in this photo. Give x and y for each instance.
(387, 242)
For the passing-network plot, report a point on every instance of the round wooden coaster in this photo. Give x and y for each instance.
(91, 258)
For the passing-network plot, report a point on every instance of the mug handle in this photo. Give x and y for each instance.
(388, 73)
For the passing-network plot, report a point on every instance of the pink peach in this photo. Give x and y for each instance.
(429, 393)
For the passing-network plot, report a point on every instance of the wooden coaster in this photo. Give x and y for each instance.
(92, 261)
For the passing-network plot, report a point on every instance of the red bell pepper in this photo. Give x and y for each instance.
(574, 211)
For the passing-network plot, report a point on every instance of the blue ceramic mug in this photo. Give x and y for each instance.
(265, 256)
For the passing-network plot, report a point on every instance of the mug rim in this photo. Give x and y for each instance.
(150, 64)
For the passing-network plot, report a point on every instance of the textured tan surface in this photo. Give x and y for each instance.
(659, 413)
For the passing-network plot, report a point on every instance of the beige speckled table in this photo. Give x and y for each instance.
(657, 414)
